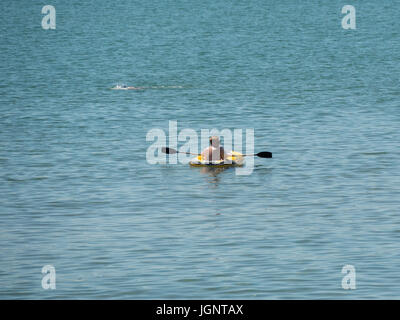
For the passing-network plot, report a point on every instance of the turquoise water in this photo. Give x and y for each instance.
(77, 192)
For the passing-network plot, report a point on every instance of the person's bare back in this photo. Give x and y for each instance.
(214, 151)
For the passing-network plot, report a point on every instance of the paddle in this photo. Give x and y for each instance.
(173, 151)
(264, 154)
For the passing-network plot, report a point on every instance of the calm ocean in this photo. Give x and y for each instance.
(77, 193)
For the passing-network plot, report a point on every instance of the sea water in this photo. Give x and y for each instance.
(77, 192)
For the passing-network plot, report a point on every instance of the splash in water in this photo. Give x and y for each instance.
(125, 87)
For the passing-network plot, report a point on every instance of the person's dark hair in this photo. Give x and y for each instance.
(213, 138)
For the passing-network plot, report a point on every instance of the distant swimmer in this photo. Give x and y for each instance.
(124, 87)
(134, 88)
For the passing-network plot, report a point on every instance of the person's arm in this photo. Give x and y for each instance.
(204, 154)
(224, 155)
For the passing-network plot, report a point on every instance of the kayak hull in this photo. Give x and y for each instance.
(236, 160)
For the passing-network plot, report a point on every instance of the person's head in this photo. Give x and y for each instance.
(214, 141)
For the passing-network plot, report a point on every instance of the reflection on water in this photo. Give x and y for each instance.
(213, 174)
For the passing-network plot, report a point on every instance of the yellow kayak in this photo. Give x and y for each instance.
(236, 160)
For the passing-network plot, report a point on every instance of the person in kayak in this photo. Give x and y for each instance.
(215, 151)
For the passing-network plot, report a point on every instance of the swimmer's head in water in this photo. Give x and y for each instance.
(214, 141)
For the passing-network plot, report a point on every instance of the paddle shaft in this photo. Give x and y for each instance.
(264, 154)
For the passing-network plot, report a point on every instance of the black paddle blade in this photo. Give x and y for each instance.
(264, 154)
(168, 150)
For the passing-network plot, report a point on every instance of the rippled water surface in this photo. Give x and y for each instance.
(76, 190)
